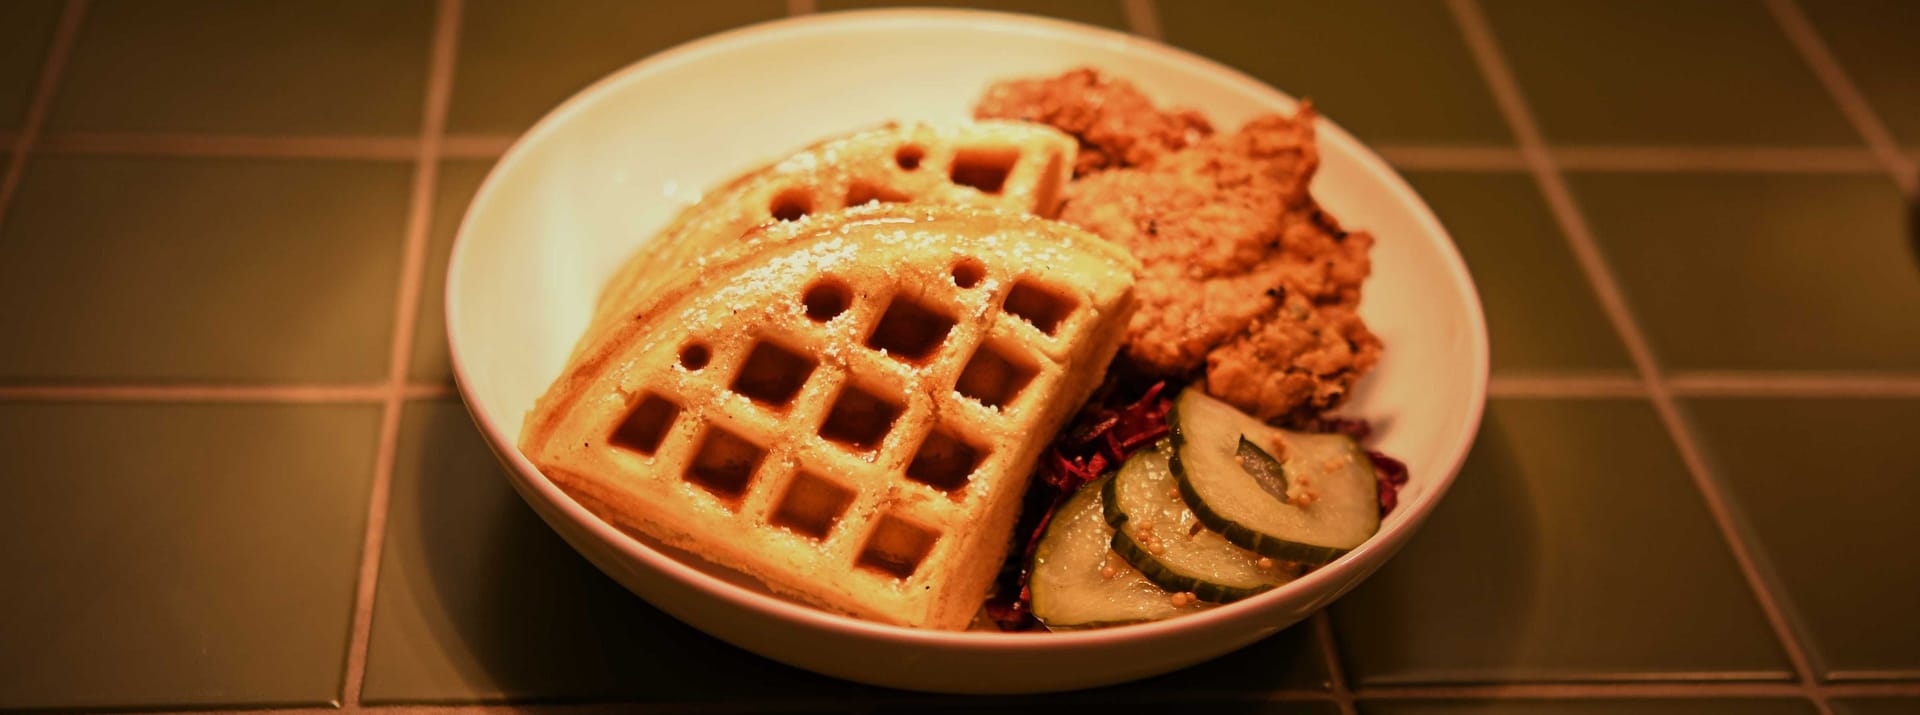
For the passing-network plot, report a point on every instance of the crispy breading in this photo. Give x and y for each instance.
(1248, 282)
(1117, 125)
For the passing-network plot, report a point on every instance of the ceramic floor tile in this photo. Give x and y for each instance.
(145, 269)
(1542, 316)
(179, 555)
(240, 66)
(520, 58)
(1877, 706)
(1829, 488)
(1572, 547)
(479, 600)
(1762, 271)
(1107, 13)
(26, 30)
(1697, 72)
(458, 181)
(1691, 706)
(1873, 40)
(1387, 70)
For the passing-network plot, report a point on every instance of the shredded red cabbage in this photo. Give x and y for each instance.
(1108, 430)
(1392, 475)
(1101, 436)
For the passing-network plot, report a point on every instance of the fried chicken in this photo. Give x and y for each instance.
(1117, 125)
(1248, 283)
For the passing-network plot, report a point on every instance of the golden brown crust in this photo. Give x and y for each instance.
(749, 297)
(848, 171)
(1247, 279)
(1117, 125)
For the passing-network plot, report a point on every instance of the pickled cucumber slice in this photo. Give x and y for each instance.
(1322, 503)
(1078, 582)
(1156, 533)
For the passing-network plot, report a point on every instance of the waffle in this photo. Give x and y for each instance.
(1017, 166)
(846, 408)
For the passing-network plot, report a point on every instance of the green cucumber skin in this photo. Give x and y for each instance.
(1044, 598)
(1238, 535)
(1165, 578)
(1110, 503)
(1244, 537)
(1158, 570)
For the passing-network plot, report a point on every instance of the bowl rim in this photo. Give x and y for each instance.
(506, 445)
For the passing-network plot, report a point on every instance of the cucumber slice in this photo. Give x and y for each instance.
(1070, 584)
(1156, 533)
(1235, 495)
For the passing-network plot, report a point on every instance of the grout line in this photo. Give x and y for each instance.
(213, 392)
(1574, 386)
(1819, 58)
(195, 393)
(1741, 159)
(220, 145)
(1877, 678)
(1635, 158)
(476, 146)
(1568, 691)
(1512, 103)
(1764, 384)
(1869, 690)
(1571, 691)
(802, 7)
(44, 90)
(1330, 654)
(446, 32)
(1452, 158)
(1143, 18)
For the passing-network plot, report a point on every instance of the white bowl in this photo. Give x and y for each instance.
(600, 174)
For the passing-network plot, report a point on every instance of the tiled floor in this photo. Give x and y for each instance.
(1573, 548)
(1871, 39)
(25, 30)
(519, 58)
(1689, 495)
(1425, 91)
(299, 67)
(205, 556)
(201, 269)
(1726, 74)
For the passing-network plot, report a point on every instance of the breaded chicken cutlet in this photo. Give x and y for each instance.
(1248, 283)
(1116, 124)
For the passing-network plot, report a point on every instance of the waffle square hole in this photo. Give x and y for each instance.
(985, 169)
(944, 462)
(791, 205)
(1044, 307)
(826, 299)
(993, 379)
(811, 506)
(896, 547)
(646, 425)
(909, 156)
(910, 331)
(773, 375)
(724, 463)
(859, 419)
